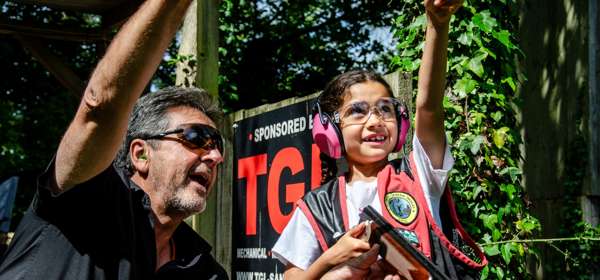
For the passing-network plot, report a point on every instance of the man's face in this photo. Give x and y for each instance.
(182, 177)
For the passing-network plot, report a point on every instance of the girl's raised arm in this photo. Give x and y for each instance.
(429, 121)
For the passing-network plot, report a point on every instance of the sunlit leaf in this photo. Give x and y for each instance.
(484, 21)
(491, 250)
(504, 37)
(500, 136)
(465, 86)
(476, 144)
(506, 254)
(476, 66)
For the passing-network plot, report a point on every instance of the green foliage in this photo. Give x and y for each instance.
(272, 50)
(34, 108)
(482, 129)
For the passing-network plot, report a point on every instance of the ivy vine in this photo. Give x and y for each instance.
(480, 103)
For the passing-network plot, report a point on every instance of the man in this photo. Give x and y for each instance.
(91, 219)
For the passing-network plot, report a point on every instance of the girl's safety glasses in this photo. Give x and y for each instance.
(359, 112)
(194, 136)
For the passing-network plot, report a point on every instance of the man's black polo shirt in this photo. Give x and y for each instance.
(101, 229)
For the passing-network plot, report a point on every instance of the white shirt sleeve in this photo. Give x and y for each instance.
(433, 181)
(297, 244)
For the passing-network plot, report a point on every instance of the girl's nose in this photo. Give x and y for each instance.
(374, 118)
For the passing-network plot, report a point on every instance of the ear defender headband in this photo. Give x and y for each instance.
(328, 137)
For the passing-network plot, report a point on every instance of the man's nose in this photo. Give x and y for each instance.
(213, 157)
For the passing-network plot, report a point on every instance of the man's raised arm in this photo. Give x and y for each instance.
(98, 129)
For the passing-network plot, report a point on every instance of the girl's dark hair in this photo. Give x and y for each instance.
(332, 98)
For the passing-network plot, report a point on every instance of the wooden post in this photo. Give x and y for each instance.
(200, 39)
(590, 200)
(401, 84)
(222, 203)
(208, 46)
(185, 76)
(593, 192)
(207, 77)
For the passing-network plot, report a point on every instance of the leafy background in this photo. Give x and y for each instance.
(482, 104)
(272, 50)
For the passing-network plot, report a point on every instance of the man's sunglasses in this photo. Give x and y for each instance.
(194, 136)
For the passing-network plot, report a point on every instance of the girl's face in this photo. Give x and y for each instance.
(369, 142)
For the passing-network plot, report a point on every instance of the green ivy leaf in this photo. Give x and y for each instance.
(477, 190)
(487, 238)
(476, 66)
(510, 82)
(496, 234)
(489, 221)
(485, 272)
(465, 86)
(499, 272)
(501, 212)
(506, 254)
(234, 97)
(496, 116)
(520, 249)
(527, 225)
(476, 144)
(504, 37)
(491, 250)
(487, 51)
(512, 171)
(419, 22)
(508, 189)
(485, 21)
(465, 38)
(500, 136)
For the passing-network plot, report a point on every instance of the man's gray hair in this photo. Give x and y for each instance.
(149, 116)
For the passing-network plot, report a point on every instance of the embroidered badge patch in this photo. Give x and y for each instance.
(401, 206)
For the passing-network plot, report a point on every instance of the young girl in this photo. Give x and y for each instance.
(357, 117)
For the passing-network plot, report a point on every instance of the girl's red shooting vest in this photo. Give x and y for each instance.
(403, 206)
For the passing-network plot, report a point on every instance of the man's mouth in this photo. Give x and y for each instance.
(200, 178)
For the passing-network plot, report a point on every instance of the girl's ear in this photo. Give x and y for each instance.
(138, 151)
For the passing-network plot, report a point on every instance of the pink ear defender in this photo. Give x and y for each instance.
(404, 124)
(328, 137)
(326, 134)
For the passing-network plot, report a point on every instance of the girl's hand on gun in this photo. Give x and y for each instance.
(348, 246)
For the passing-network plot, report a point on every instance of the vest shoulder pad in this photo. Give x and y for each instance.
(325, 209)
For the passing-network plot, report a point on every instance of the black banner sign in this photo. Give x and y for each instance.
(275, 164)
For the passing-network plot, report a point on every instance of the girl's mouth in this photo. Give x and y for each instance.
(374, 138)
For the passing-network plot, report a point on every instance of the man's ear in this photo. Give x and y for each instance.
(138, 151)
